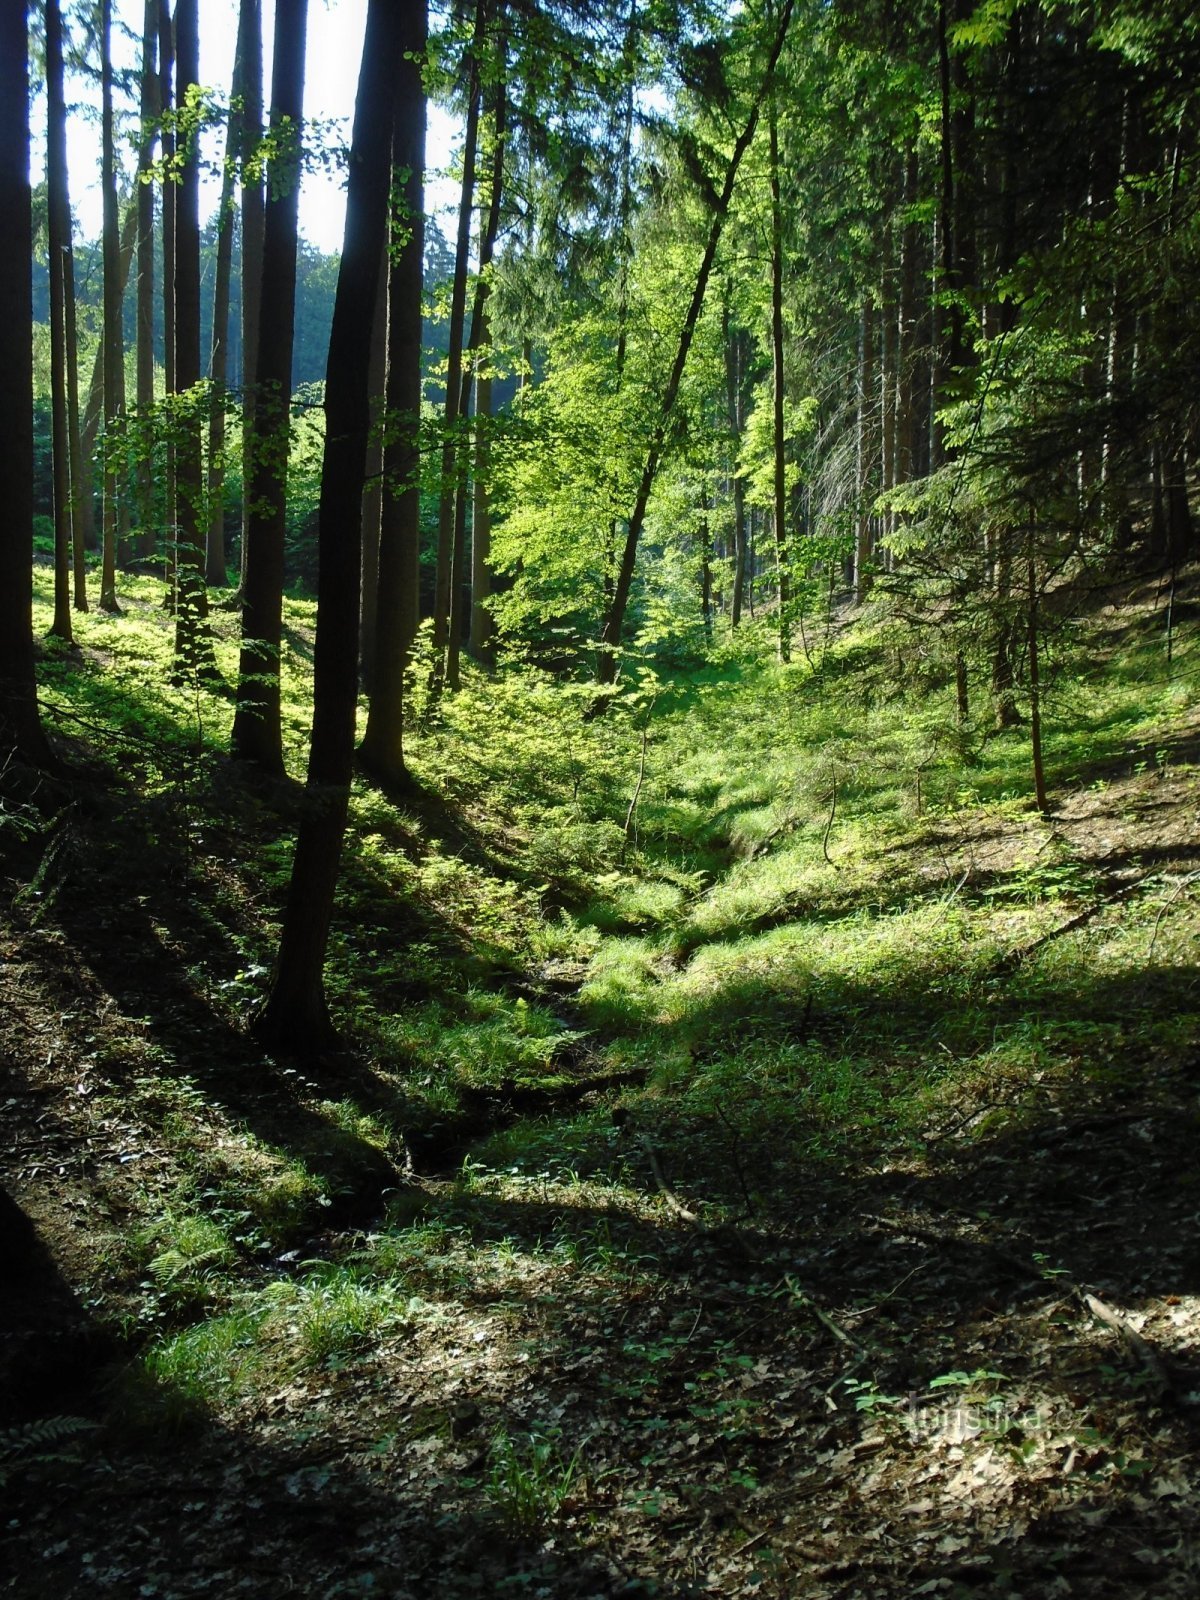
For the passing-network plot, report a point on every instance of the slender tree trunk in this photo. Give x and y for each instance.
(736, 354)
(113, 287)
(442, 600)
(372, 503)
(193, 646)
(706, 581)
(482, 629)
(215, 572)
(610, 638)
(59, 227)
(779, 499)
(865, 450)
(295, 1016)
(20, 726)
(144, 393)
(906, 409)
(166, 98)
(257, 729)
(253, 215)
(398, 594)
(478, 355)
(1035, 682)
(81, 478)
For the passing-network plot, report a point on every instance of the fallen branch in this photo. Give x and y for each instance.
(1142, 1348)
(673, 1201)
(1018, 957)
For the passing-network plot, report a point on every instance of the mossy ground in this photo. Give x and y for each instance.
(740, 1093)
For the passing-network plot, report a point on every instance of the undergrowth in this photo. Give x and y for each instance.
(820, 922)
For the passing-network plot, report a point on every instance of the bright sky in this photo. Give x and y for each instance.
(334, 51)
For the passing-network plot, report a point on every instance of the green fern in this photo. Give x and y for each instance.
(33, 1443)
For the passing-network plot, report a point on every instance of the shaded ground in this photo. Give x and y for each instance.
(675, 1353)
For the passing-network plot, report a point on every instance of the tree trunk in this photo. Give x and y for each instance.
(458, 308)
(295, 1016)
(865, 451)
(482, 628)
(20, 726)
(113, 289)
(59, 224)
(398, 596)
(481, 631)
(610, 638)
(253, 211)
(81, 478)
(1035, 682)
(735, 359)
(193, 645)
(779, 499)
(257, 730)
(166, 100)
(372, 502)
(215, 572)
(144, 392)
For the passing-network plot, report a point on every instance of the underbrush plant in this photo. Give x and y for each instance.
(529, 1479)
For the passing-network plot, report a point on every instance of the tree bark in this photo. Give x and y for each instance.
(59, 226)
(166, 100)
(398, 594)
(735, 377)
(257, 730)
(193, 645)
(296, 1016)
(779, 498)
(253, 214)
(372, 502)
(144, 391)
(215, 570)
(113, 290)
(20, 726)
(458, 307)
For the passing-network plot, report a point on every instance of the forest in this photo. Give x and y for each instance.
(599, 835)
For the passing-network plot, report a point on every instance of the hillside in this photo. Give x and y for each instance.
(761, 1160)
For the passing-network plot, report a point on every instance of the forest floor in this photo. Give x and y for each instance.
(810, 1211)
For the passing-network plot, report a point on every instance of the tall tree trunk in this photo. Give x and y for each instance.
(257, 730)
(779, 440)
(1035, 681)
(398, 578)
(735, 376)
(372, 502)
(144, 392)
(166, 100)
(113, 287)
(478, 351)
(458, 309)
(295, 1016)
(81, 478)
(864, 450)
(482, 627)
(253, 218)
(215, 572)
(193, 646)
(59, 227)
(610, 637)
(20, 726)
